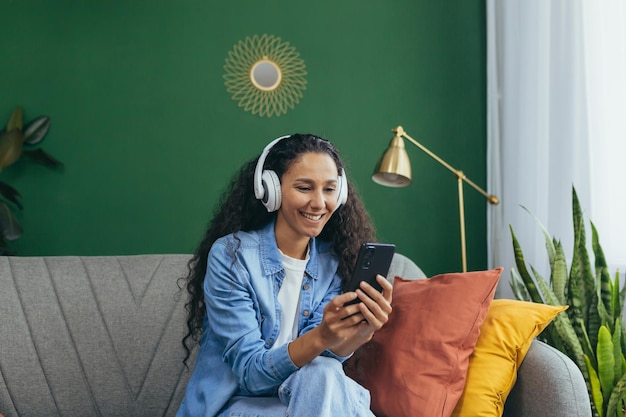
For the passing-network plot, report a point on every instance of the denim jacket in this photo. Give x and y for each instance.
(236, 357)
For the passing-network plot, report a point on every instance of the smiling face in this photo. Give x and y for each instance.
(309, 197)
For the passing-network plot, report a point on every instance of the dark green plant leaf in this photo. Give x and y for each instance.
(615, 398)
(608, 294)
(36, 130)
(10, 194)
(558, 276)
(577, 324)
(9, 226)
(620, 295)
(565, 329)
(594, 317)
(523, 271)
(15, 122)
(10, 147)
(518, 287)
(4, 249)
(575, 313)
(581, 256)
(605, 318)
(41, 157)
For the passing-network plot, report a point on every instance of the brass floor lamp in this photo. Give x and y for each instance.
(394, 170)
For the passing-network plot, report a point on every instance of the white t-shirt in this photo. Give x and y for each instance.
(289, 298)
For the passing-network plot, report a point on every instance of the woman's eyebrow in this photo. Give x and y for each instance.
(311, 181)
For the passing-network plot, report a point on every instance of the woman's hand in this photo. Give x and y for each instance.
(363, 318)
(375, 306)
(345, 327)
(340, 321)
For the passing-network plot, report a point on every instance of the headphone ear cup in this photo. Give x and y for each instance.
(271, 187)
(343, 189)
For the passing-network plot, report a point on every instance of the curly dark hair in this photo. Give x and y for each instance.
(238, 209)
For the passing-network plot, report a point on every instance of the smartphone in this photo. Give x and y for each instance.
(373, 259)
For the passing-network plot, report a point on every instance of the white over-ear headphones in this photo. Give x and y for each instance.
(267, 183)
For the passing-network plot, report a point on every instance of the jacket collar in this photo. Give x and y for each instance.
(270, 256)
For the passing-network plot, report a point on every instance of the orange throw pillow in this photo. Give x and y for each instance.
(416, 365)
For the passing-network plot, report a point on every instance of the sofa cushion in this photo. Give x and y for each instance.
(416, 364)
(505, 337)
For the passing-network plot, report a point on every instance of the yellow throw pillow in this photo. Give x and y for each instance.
(505, 337)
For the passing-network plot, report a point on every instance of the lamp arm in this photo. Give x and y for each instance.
(459, 174)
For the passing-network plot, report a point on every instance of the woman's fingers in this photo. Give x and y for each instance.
(383, 299)
(387, 287)
(376, 306)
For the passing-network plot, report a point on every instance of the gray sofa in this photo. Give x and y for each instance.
(100, 336)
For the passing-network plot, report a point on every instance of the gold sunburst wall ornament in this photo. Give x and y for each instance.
(265, 75)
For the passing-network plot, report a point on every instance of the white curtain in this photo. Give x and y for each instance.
(556, 119)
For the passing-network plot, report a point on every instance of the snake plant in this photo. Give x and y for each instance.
(16, 141)
(592, 331)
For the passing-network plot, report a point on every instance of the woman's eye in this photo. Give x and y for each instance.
(330, 190)
(303, 188)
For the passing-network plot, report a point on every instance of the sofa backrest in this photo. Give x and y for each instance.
(91, 336)
(98, 336)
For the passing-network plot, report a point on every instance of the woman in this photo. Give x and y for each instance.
(265, 290)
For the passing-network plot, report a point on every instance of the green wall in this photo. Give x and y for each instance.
(149, 136)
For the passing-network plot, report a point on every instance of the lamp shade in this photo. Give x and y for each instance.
(394, 168)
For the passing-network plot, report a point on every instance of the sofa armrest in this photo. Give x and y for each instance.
(548, 384)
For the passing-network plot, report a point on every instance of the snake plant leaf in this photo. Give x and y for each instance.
(616, 397)
(605, 317)
(563, 325)
(16, 120)
(523, 271)
(596, 391)
(548, 295)
(549, 242)
(10, 147)
(10, 194)
(575, 313)
(558, 277)
(592, 332)
(581, 257)
(620, 297)
(41, 157)
(582, 279)
(608, 295)
(36, 130)
(594, 320)
(578, 326)
(618, 357)
(606, 361)
(10, 228)
(517, 285)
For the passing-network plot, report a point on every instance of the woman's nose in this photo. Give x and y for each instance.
(317, 200)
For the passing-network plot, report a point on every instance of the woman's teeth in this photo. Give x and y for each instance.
(311, 217)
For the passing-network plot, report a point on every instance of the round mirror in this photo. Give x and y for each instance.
(265, 75)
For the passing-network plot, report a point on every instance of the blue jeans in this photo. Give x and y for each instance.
(318, 389)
